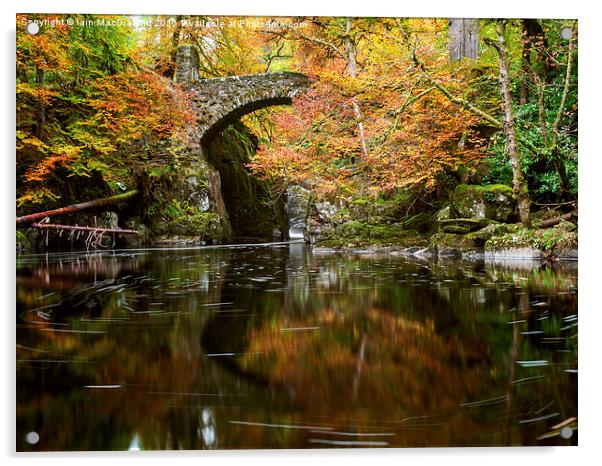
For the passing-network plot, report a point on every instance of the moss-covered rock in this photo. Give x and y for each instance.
(253, 208)
(420, 222)
(561, 240)
(444, 213)
(462, 225)
(481, 236)
(392, 207)
(453, 245)
(359, 233)
(492, 201)
(183, 219)
(527, 243)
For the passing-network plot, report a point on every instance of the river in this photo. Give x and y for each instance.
(273, 346)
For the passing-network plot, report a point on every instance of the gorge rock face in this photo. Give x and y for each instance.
(322, 214)
(297, 209)
(252, 210)
(494, 202)
(199, 192)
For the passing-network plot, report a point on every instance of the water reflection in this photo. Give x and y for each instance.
(273, 347)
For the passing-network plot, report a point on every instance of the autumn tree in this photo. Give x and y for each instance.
(410, 134)
(545, 105)
(519, 185)
(534, 151)
(86, 110)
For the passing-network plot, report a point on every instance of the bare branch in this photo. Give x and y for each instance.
(298, 36)
(75, 228)
(567, 82)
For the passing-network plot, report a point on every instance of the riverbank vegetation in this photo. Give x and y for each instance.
(412, 129)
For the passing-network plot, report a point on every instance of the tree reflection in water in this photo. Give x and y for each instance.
(275, 347)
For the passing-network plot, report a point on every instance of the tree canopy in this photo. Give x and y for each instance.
(388, 109)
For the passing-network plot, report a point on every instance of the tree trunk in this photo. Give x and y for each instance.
(538, 42)
(520, 189)
(525, 64)
(41, 116)
(352, 65)
(175, 41)
(565, 184)
(553, 133)
(77, 207)
(463, 38)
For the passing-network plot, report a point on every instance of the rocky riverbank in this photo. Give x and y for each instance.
(478, 223)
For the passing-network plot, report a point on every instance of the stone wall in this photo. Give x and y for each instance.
(219, 102)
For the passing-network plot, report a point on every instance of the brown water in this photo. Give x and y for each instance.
(275, 347)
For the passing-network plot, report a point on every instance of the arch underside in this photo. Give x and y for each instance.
(239, 112)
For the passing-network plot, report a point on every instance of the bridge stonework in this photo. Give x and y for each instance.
(219, 102)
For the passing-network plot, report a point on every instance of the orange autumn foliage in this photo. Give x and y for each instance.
(413, 133)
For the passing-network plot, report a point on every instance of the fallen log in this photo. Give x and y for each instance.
(78, 207)
(51, 226)
(554, 221)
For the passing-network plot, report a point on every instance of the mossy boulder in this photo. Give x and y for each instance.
(462, 225)
(207, 226)
(528, 243)
(444, 213)
(482, 235)
(361, 233)
(183, 219)
(491, 201)
(394, 206)
(420, 222)
(517, 245)
(453, 245)
(562, 240)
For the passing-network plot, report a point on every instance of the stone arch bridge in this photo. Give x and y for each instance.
(219, 102)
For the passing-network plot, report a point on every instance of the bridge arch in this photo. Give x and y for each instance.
(219, 102)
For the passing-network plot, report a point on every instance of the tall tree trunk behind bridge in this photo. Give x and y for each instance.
(463, 38)
(520, 188)
(352, 66)
(525, 63)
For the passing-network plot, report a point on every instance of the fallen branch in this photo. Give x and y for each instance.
(556, 220)
(554, 203)
(51, 226)
(78, 207)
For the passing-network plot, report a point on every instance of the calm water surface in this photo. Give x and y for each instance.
(275, 347)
